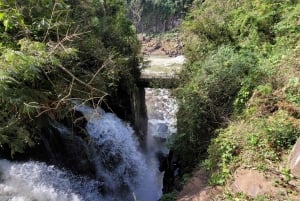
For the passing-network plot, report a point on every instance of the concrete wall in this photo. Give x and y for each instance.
(139, 110)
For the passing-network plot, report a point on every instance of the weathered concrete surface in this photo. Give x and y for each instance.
(162, 66)
(161, 71)
(294, 159)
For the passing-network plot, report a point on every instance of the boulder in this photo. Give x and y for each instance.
(252, 183)
(162, 129)
(198, 189)
(294, 159)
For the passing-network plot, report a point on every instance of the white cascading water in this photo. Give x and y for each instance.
(162, 122)
(118, 159)
(125, 172)
(34, 181)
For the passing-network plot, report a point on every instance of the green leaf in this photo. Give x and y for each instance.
(6, 24)
(2, 15)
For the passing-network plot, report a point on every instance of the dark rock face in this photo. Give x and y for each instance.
(58, 145)
(157, 25)
(171, 166)
(129, 105)
(66, 150)
(139, 116)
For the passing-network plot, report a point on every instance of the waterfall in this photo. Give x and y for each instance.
(34, 181)
(162, 122)
(119, 162)
(123, 172)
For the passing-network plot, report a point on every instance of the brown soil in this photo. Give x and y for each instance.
(253, 183)
(197, 189)
(250, 182)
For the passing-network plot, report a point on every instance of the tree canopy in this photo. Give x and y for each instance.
(55, 52)
(157, 15)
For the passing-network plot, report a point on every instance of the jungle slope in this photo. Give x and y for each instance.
(239, 96)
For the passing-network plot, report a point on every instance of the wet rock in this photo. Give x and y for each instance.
(162, 129)
(294, 159)
(172, 169)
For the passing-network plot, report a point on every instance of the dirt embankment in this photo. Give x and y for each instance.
(170, 45)
(198, 189)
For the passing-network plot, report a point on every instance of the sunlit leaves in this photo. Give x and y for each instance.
(55, 51)
(10, 17)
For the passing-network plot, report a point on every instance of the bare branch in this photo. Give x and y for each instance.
(81, 82)
(52, 12)
(109, 60)
(60, 101)
(66, 38)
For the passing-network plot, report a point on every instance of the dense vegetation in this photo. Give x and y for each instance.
(157, 15)
(239, 102)
(240, 85)
(57, 52)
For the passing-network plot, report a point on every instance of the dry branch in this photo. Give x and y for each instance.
(81, 82)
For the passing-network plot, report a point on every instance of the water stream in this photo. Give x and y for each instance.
(123, 171)
(161, 110)
(35, 181)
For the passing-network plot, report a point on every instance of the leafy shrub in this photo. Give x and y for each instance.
(49, 57)
(193, 126)
(293, 89)
(232, 48)
(207, 97)
(281, 132)
(240, 55)
(169, 197)
(222, 153)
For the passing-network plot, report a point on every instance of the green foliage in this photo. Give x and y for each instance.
(55, 51)
(223, 73)
(208, 96)
(222, 154)
(292, 90)
(254, 25)
(169, 197)
(242, 99)
(241, 75)
(150, 14)
(258, 143)
(264, 89)
(193, 125)
(281, 132)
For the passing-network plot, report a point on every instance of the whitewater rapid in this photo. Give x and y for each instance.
(35, 181)
(161, 109)
(123, 172)
(118, 158)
